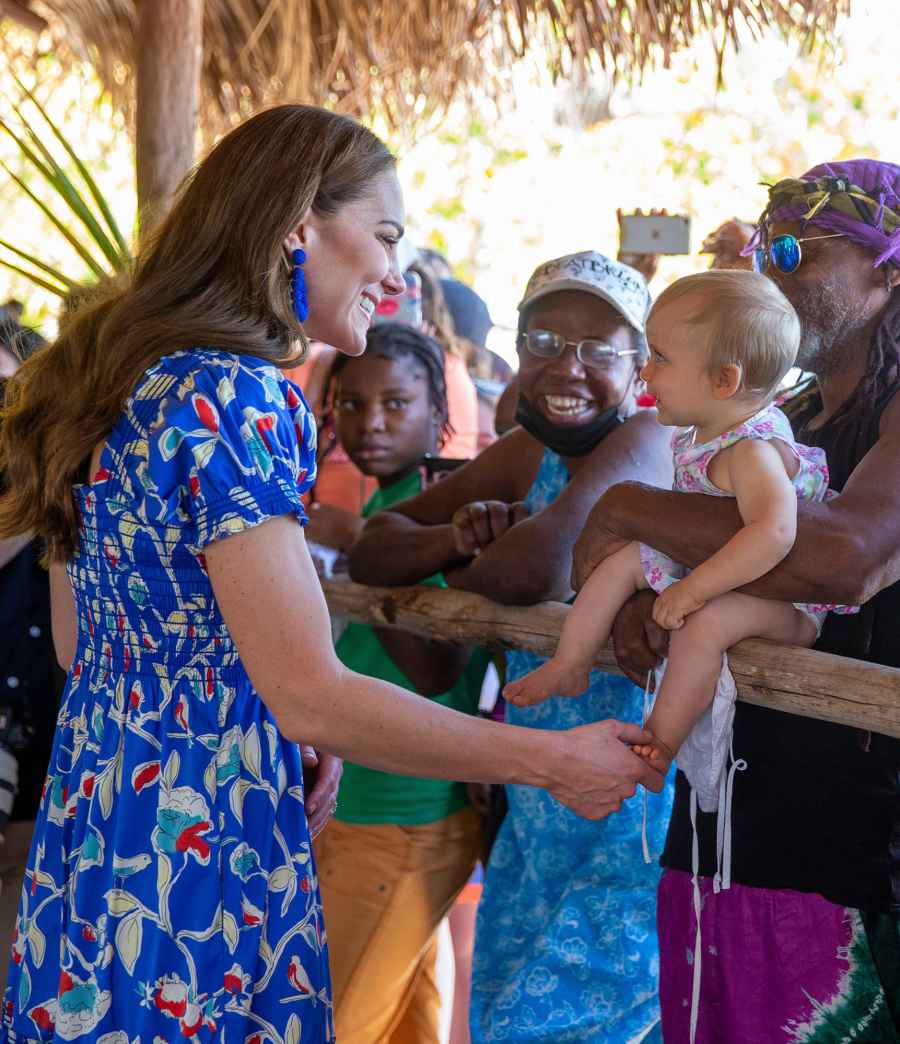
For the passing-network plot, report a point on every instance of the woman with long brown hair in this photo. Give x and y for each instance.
(161, 455)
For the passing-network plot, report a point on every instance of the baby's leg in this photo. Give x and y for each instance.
(695, 660)
(585, 632)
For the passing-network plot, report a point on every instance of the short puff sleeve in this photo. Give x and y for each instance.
(232, 445)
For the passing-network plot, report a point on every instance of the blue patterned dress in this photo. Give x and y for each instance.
(171, 892)
(566, 947)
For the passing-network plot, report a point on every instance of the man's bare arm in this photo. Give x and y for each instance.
(414, 539)
(532, 561)
(847, 549)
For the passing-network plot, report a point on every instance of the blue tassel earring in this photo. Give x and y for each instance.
(298, 286)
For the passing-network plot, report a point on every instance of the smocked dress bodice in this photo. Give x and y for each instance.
(171, 889)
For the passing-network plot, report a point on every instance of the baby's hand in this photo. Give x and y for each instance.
(674, 604)
(656, 754)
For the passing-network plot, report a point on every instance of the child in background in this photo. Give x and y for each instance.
(720, 345)
(399, 850)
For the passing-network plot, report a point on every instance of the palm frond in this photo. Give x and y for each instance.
(68, 283)
(67, 191)
(60, 225)
(33, 138)
(89, 181)
(33, 277)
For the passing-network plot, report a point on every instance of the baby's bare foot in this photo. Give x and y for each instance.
(552, 678)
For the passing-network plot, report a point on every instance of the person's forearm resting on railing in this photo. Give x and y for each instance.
(847, 549)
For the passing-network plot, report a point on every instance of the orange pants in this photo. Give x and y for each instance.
(385, 890)
(13, 862)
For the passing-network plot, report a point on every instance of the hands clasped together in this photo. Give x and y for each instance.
(608, 743)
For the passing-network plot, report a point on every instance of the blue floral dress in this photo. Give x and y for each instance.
(566, 946)
(171, 892)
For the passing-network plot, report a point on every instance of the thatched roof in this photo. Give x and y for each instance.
(409, 59)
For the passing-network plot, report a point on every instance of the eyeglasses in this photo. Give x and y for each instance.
(784, 252)
(546, 344)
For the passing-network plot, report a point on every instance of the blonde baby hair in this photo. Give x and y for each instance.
(748, 322)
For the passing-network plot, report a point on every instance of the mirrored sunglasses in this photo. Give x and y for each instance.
(546, 344)
(784, 252)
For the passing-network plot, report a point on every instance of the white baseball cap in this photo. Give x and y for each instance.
(593, 273)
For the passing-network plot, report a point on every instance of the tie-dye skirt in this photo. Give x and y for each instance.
(777, 967)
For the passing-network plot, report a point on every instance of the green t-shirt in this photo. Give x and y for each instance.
(367, 796)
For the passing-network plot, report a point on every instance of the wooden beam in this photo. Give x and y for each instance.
(168, 58)
(798, 681)
(20, 12)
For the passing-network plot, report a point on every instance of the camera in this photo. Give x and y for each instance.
(14, 735)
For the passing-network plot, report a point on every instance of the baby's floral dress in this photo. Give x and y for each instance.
(705, 757)
(692, 461)
(171, 891)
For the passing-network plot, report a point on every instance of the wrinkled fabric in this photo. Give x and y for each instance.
(859, 199)
(171, 891)
(703, 755)
(779, 967)
(566, 945)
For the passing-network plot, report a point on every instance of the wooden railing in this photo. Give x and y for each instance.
(799, 681)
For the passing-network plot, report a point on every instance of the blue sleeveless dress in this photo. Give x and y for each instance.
(566, 946)
(171, 892)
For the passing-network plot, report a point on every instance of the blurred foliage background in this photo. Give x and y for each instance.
(500, 186)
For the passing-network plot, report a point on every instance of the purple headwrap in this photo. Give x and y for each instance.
(858, 198)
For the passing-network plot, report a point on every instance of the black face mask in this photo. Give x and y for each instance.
(569, 440)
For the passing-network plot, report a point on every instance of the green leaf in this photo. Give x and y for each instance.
(82, 170)
(163, 873)
(230, 931)
(251, 755)
(37, 944)
(279, 879)
(27, 151)
(129, 938)
(49, 269)
(24, 988)
(119, 902)
(62, 184)
(73, 240)
(36, 279)
(294, 1030)
(173, 767)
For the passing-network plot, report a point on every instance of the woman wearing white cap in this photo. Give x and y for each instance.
(566, 945)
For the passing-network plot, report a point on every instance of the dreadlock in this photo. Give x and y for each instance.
(391, 341)
(859, 199)
(854, 429)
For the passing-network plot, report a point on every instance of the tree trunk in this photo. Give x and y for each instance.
(785, 678)
(169, 54)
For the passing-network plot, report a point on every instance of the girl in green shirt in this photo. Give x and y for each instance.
(399, 849)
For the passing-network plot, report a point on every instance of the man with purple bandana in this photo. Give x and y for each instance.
(804, 946)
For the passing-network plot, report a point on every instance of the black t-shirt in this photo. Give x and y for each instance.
(817, 808)
(31, 681)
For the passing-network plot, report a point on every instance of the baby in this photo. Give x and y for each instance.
(720, 345)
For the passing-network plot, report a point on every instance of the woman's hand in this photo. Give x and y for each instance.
(599, 771)
(272, 603)
(675, 604)
(480, 523)
(638, 641)
(321, 779)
